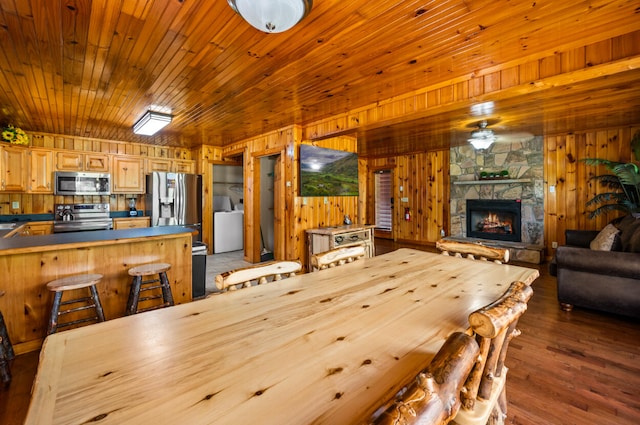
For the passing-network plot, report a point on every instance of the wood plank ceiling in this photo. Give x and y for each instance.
(91, 68)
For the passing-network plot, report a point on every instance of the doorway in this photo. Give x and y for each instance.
(228, 208)
(267, 206)
(383, 207)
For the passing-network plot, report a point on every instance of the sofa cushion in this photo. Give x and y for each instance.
(605, 239)
(630, 233)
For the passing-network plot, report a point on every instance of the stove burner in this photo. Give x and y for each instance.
(81, 217)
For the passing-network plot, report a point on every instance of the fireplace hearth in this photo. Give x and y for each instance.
(494, 219)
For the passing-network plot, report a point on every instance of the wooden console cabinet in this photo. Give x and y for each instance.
(325, 238)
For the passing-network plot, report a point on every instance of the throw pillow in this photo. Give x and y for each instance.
(604, 240)
(630, 233)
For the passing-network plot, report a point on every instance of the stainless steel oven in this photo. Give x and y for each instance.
(79, 183)
(82, 217)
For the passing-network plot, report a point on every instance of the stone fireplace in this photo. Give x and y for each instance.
(494, 219)
(524, 163)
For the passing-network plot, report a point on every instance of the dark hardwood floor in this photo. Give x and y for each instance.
(576, 368)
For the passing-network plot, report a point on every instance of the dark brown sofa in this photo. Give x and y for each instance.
(601, 280)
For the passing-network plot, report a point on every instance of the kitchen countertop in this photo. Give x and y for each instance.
(53, 241)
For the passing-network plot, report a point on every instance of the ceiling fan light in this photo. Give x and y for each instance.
(151, 122)
(481, 143)
(272, 15)
(483, 137)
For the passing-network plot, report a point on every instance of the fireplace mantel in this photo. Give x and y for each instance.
(496, 181)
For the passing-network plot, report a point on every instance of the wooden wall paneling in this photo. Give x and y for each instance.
(560, 163)
(598, 53)
(401, 226)
(571, 199)
(438, 194)
(573, 60)
(565, 208)
(425, 180)
(551, 196)
(364, 200)
(583, 189)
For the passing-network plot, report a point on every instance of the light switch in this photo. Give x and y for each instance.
(552, 189)
(15, 205)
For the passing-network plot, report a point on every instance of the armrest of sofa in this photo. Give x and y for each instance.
(581, 238)
(610, 263)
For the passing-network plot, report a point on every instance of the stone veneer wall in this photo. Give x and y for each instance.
(523, 160)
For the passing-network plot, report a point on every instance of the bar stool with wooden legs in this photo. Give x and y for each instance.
(138, 285)
(81, 281)
(6, 351)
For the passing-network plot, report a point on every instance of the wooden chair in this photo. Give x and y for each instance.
(6, 351)
(337, 257)
(433, 397)
(262, 273)
(484, 398)
(473, 250)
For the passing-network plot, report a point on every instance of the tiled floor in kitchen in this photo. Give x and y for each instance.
(218, 263)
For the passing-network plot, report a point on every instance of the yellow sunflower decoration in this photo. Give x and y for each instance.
(14, 135)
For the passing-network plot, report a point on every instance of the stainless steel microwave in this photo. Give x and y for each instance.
(78, 183)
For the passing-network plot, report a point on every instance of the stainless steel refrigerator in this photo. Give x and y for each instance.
(175, 199)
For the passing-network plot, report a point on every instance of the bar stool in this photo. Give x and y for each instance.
(144, 270)
(69, 283)
(6, 351)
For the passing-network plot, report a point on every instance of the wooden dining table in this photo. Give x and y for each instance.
(319, 348)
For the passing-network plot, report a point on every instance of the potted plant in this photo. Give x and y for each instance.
(623, 183)
(14, 135)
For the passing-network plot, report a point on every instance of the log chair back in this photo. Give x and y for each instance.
(484, 395)
(337, 257)
(473, 250)
(262, 273)
(433, 397)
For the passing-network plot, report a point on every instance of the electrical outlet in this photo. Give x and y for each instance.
(554, 244)
(15, 205)
(326, 200)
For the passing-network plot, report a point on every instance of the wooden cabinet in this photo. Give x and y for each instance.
(173, 166)
(162, 165)
(40, 171)
(327, 238)
(37, 228)
(13, 169)
(96, 162)
(78, 161)
(127, 175)
(183, 166)
(131, 222)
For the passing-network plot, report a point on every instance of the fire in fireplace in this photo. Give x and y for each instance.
(494, 219)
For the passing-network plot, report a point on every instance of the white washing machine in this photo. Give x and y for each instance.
(228, 231)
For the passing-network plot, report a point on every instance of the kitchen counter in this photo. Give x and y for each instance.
(88, 238)
(28, 263)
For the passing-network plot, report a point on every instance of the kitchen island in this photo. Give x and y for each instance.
(28, 263)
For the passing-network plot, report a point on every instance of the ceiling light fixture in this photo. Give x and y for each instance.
(483, 137)
(151, 122)
(272, 15)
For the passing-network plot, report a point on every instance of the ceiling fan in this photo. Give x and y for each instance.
(483, 136)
